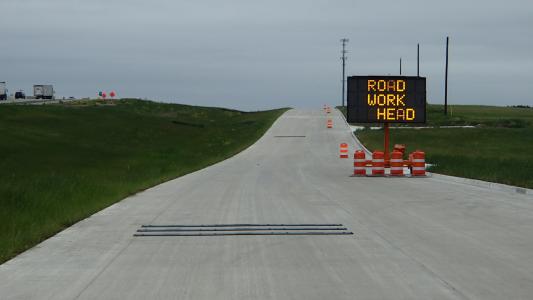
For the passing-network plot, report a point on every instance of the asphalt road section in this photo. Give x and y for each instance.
(423, 238)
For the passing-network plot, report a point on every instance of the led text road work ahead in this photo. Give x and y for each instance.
(386, 99)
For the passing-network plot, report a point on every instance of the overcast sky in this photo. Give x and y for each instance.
(264, 54)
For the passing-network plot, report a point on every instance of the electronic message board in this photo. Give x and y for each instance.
(386, 99)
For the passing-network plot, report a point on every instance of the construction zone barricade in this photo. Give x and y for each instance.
(378, 163)
(359, 163)
(389, 165)
(329, 124)
(418, 163)
(344, 150)
(396, 163)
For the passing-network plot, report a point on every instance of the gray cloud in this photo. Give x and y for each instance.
(262, 54)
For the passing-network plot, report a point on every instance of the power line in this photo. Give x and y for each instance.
(343, 58)
(446, 79)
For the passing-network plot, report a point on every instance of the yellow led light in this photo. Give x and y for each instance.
(395, 114)
(398, 85)
(371, 85)
(385, 100)
(389, 99)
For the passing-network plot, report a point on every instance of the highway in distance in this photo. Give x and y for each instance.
(423, 238)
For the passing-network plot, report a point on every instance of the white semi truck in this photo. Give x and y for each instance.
(3, 90)
(43, 91)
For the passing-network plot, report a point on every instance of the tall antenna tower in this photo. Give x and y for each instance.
(343, 58)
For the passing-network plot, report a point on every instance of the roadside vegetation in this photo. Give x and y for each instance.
(61, 163)
(499, 148)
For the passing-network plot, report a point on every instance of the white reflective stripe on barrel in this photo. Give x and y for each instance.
(359, 160)
(418, 160)
(419, 169)
(377, 168)
(378, 160)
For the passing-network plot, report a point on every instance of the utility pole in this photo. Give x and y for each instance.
(417, 60)
(343, 58)
(400, 66)
(446, 79)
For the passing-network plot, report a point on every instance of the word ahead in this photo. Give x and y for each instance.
(386, 99)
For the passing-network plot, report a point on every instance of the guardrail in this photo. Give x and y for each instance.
(34, 101)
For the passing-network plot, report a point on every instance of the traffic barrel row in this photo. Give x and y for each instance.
(417, 164)
(330, 123)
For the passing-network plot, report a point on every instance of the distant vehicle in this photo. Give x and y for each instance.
(20, 95)
(3, 90)
(43, 91)
(72, 98)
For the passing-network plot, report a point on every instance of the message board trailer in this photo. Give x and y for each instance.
(386, 99)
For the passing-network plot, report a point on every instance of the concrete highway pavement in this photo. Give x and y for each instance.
(425, 238)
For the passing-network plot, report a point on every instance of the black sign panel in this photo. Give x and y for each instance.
(386, 99)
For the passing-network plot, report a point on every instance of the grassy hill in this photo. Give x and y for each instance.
(62, 163)
(499, 149)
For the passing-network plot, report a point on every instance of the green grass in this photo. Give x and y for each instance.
(477, 115)
(499, 149)
(501, 155)
(62, 163)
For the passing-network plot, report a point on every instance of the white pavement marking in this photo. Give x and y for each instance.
(413, 238)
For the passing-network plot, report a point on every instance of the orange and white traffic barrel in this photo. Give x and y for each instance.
(399, 147)
(418, 163)
(396, 163)
(344, 150)
(378, 163)
(330, 123)
(359, 163)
